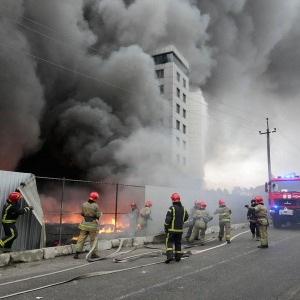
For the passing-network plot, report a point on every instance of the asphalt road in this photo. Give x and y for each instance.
(216, 271)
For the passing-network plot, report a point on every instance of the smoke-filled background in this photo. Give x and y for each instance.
(79, 96)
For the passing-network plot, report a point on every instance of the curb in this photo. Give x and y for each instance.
(52, 252)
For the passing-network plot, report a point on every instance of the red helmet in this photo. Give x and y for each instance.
(175, 197)
(221, 202)
(14, 196)
(94, 196)
(196, 202)
(132, 204)
(202, 204)
(148, 203)
(259, 199)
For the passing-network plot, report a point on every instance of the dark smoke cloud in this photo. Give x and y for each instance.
(95, 113)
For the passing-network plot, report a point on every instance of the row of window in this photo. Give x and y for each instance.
(183, 80)
(179, 160)
(178, 143)
(183, 95)
(178, 127)
(178, 110)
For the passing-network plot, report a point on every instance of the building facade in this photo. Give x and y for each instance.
(172, 71)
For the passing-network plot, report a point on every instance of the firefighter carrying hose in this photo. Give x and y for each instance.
(201, 218)
(89, 225)
(10, 213)
(144, 216)
(175, 218)
(224, 220)
(191, 219)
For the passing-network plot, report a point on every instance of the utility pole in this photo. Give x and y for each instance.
(268, 147)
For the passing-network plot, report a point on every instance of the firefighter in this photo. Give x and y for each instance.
(224, 220)
(262, 221)
(252, 220)
(144, 216)
(191, 216)
(175, 218)
(201, 218)
(133, 218)
(10, 213)
(89, 225)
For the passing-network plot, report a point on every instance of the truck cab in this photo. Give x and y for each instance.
(284, 199)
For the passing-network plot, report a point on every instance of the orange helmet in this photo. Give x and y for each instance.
(221, 202)
(202, 204)
(175, 197)
(14, 196)
(259, 199)
(94, 196)
(148, 203)
(132, 204)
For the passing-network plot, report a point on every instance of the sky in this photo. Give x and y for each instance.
(79, 93)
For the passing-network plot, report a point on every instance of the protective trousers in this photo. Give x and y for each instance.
(11, 234)
(83, 236)
(254, 229)
(263, 232)
(174, 238)
(226, 226)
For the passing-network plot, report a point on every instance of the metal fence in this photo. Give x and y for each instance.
(61, 200)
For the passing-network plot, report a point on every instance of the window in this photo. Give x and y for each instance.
(183, 128)
(184, 82)
(178, 77)
(160, 73)
(177, 125)
(178, 92)
(184, 113)
(162, 89)
(184, 145)
(178, 159)
(178, 108)
(177, 141)
(184, 98)
(184, 161)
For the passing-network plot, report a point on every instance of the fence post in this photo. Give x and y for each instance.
(61, 210)
(116, 208)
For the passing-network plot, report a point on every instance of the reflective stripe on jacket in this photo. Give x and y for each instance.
(11, 212)
(224, 213)
(175, 218)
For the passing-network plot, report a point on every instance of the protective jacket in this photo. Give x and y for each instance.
(224, 213)
(144, 215)
(261, 214)
(251, 214)
(91, 212)
(202, 217)
(175, 218)
(11, 212)
(192, 212)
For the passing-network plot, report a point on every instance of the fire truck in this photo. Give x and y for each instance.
(284, 199)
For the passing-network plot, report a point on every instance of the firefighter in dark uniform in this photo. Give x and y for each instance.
(10, 213)
(175, 218)
(252, 220)
(89, 225)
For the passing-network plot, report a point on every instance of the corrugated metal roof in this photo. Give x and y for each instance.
(31, 227)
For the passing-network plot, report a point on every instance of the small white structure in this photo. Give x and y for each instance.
(31, 226)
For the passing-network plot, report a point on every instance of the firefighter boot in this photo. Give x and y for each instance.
(76, 255)
(263, 246)
(228, 241)
(95, 256)
(169, 257)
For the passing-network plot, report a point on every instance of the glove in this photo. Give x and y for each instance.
(30, 207)
(247, 206)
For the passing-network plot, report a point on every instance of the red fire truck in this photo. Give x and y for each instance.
(284, 199)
